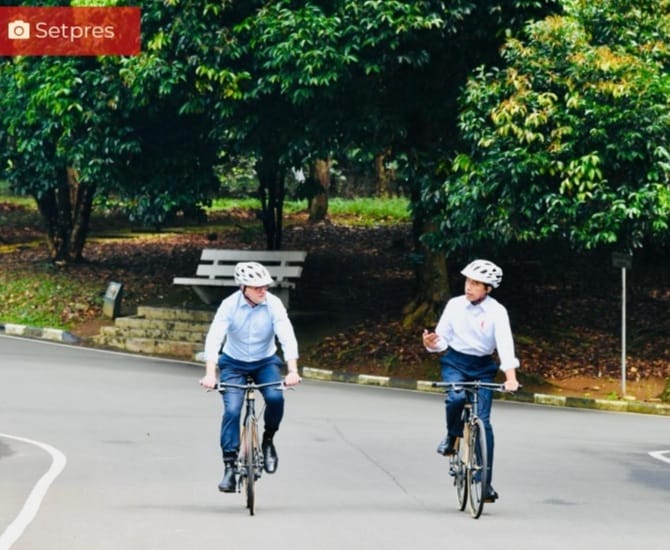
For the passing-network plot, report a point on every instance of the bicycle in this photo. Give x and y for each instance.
(250, 460)
(469, 463)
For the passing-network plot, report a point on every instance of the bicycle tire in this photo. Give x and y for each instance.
(458, 471)
(249, 462)
(477, 468)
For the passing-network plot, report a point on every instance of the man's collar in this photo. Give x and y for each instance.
(479, 302)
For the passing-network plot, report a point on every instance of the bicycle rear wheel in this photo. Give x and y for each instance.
(477, 468)
(457, 470)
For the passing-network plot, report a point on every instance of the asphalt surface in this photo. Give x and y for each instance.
(101, 450)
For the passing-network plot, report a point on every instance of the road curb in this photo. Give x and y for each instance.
(52, 334)
(524, 397)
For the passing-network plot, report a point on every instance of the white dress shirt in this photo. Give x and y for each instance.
(477, 330)
(249, 332)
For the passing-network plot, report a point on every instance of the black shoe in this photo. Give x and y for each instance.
(228, 483)
(446, 446)
(270, 456)
(490, 494)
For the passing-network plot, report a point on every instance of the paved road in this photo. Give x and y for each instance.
(109, 451)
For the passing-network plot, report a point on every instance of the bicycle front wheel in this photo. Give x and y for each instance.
(249, 463)
(457, 470)
(477, 477)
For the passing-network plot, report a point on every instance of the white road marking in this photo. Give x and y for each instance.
(32, 505)
(663, 456)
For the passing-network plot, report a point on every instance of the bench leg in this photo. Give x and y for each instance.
(212, 295)
(282, 294)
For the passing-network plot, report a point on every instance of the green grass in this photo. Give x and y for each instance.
(219, 205)
(359, 211)
(46, 298)
(391, 209)
(28, 203)
(365, 210)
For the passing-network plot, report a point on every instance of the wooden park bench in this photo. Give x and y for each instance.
(214, 277)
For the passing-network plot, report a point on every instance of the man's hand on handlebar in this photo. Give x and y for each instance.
(209, 381)
(292, 379)
(511, 385)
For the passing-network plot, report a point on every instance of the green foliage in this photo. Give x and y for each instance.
(665, 396)
(281, 82)
(569, 138)
(314, 79)
(298, 65)
(306, 48)
(59, 113)
(136, 127)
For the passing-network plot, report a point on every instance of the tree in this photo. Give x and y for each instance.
(569, 138)
(138, 128)
(63, 138)
(320, 78)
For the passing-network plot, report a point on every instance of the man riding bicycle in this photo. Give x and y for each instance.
(471, 327)
(241, 342)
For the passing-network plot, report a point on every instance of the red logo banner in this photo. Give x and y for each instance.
(69, 31)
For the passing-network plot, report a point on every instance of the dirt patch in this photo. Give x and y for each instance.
(91, 327)
(602, 388)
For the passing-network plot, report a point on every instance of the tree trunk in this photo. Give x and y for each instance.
(82, 205)
(384, 176)
(318, 204)
(431, 272)
(431, 276)
(272, 188)
(432, 290)
(66, 211)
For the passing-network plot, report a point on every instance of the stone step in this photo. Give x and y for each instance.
(173, 332)
(155, 333)
(175, 314)
(151, 346)
(142, 323)
(170, 348)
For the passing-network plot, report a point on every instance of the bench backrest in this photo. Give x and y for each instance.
(217, 263)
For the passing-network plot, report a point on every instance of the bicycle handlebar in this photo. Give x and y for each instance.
(472, 386)
(222, 386)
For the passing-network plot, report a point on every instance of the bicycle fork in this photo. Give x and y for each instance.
(465, 440)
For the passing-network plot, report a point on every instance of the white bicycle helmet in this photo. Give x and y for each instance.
(483, 271)
(252, 274)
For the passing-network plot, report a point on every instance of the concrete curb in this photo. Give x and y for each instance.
(523, 397)
(53, 334)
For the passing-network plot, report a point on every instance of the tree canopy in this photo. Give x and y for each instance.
(569, 137)
(76, 128)
(63, 137)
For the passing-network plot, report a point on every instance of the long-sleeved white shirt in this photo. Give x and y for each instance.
(477, 330)
(249, 332)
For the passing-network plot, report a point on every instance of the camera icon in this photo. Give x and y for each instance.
(18, 30)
